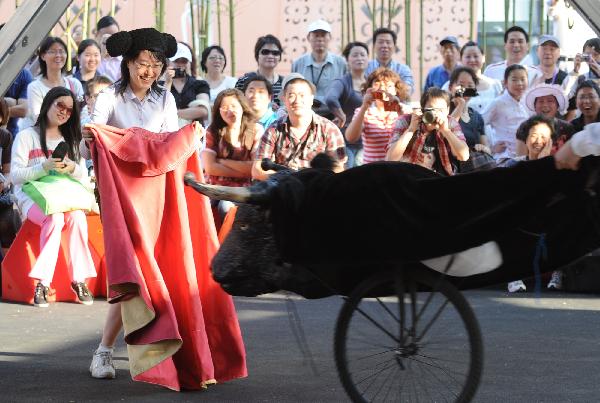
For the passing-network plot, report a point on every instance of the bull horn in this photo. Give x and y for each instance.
(247, 195)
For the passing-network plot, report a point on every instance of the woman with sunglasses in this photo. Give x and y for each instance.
(267, 52)
(52, 59)
(213, 64)
(31, 159)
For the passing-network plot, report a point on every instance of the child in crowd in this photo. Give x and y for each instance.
(506, 113)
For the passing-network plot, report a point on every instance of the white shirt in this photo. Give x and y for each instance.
(228, 82)
(504, 115)
(26, 165)
(155, 113)
(496, 70)
(37, 90)
(587, 141)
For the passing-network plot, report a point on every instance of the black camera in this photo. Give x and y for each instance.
(179, 73)
(465, 92)
(428, 116)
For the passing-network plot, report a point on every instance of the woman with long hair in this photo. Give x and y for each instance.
(32, 159)
(53, 59)
(230, 140)
(135, 160)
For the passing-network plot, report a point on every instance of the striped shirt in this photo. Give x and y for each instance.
(378, 127)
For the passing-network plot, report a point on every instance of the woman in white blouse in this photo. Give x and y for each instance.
(136, 100)
(52, 59)
(213, 64)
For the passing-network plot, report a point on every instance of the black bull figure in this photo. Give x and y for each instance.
(317, 233)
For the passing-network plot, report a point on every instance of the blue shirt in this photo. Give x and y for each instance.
(268, 118)
(321, 75)
(437, 77)
(18, 90)
(401, 69)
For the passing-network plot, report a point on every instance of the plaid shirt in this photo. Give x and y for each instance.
(282, 147)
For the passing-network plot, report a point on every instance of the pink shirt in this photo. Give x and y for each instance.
(377, 131)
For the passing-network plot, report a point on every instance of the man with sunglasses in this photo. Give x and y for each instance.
(320, 66)
(267, 52)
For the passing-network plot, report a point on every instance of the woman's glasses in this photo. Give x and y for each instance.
(266, 52)
(63, 108)
(56, 52)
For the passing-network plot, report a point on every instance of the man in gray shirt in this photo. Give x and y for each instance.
(320, 66)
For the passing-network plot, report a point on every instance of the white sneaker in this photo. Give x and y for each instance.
(516, 286)
(556, 281)
(102, 366)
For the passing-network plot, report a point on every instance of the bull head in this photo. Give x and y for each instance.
(257, 194)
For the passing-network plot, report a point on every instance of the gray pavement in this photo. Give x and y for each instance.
(536, 350)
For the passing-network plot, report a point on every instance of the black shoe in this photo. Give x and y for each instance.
(83, 293)
(40, 297)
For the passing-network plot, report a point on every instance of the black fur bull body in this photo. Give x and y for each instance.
(317, 233)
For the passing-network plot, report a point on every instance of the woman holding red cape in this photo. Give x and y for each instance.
(180, 327)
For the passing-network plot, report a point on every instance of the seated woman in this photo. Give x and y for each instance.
(547, 100)
(374, 121)
(471, 121)
(267, 53)
(587, 99)
(539, 132)
(231, 140)
(430, 137)
(31, 159)
(9, 221)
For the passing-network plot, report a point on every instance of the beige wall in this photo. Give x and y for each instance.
(288, 19)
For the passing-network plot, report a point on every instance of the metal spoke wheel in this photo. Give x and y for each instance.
(421, 343)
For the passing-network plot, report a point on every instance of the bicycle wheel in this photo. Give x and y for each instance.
(421, 343)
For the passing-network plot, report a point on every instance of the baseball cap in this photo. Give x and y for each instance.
(294, 76)
(548, 38)
(183, 52)
(450, 39)
(319, 25)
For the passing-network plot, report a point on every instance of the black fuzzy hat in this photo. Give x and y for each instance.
(131, 42)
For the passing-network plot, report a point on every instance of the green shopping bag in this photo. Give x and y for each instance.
(58, 193)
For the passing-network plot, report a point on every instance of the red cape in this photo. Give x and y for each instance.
(181, 328)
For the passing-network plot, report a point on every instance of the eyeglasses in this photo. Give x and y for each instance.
(228, 108)
(63, 108)
(146, 66)
(266, 52)
(590, 97)
(59, 52)
(213, 58)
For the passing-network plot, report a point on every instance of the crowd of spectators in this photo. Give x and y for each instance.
(359, 107)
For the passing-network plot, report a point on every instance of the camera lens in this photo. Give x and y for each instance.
(428, 117)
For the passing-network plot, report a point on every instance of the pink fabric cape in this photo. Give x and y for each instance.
(160, 238)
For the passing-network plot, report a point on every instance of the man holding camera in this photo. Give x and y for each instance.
(191, 95)
(429, 137)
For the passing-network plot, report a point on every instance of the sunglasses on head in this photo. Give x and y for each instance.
(266, 52)
(62, 107)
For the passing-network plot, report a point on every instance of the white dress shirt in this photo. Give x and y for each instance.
(504, 115)
(155, 113)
